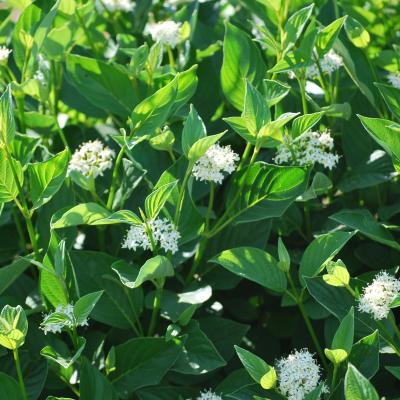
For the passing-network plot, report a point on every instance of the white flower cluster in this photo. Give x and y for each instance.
(91, 159)
(163, 232)
(165, 32)
(308, 148)
(118, 5)
(4, 53)
(298, 374)
(394, 79)
(378, 296)
(42, 74)
(217, 160)
(329, 63)
(62, 317)
(208, 395)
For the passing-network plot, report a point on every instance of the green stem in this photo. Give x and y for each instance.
(19, 373)
(182, 196)
(19, 100)
(197, 259)
(245, 156)
(336, 9)
(171, 57)
(351, 290)
(22, 241)
(156, 309)
(334, 377)
(24, 207)
(307, 218)
(210, 205)
(303, 95)
(255, 154)
(32, 235)
(114, 179)
(307, 321)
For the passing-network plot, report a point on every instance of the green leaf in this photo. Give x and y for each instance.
(104, 85)
(344, 335)
(337, 275)
(9, 388)
(304, 123)
(46, 178)
(8, 185)
(118, 307)
(365, 355)
(284, 257)
(153, 111)
(23, 147)
(11, 272)
(52, 274)
(326, 37)
(241, 60)
(391, 95)
(124, 216)
(193, 130)
(65, 360)
(274, 91)
(358, 35)
(13, 327)
(363, 221)
(387, 134)
(187, 86)
(126, 273)
(238, 124)
(142, 362)
(156, 200)
(270, 134)
(255, 366)
(253, 264)
(336, 300)
(7, 123)
(199, 354)
(256, 112)
(357, 387)
(83, 214)
(295, 24)
(263, 190)
(93, 384)
(84, 306)
(395, 371)
(200, 148)
(336, 356)
(158, 267)
(359, 69)
(321, 250)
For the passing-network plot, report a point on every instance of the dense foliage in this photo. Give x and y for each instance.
(199, 199)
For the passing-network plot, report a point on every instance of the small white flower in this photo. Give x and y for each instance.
(329, 63)
(208, 395)
(394, 79)
(164, 235)
(4, 53)
(62, 317)
(217, 161)
(117, 5)
(91, 159)
(298, 374)
(165, 32)
(79, 241)
(308, 148)
(378, 295)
